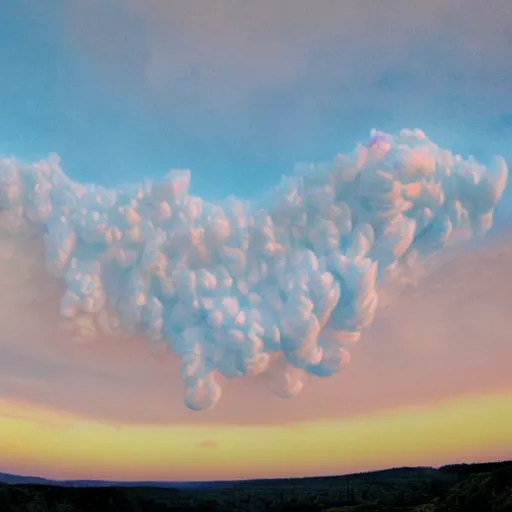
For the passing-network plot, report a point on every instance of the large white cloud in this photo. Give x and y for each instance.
(283, 284)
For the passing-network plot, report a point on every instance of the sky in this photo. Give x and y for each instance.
(239, 92)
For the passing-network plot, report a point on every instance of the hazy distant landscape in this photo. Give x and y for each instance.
(459, 487)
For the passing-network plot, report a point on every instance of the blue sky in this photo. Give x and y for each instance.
(240, 91)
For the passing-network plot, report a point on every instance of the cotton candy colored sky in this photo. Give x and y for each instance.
(429, 383)
(239, 92)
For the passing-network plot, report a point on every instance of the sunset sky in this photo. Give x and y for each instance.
(238, 92)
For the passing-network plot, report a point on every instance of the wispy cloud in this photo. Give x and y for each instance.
(283, 71)
(248, 47)
(208, 444)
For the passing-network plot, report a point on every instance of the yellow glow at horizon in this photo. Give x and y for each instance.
(59, 445)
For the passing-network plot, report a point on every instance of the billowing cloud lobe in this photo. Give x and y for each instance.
(283, 284)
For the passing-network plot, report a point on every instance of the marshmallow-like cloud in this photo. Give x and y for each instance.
(282, 284)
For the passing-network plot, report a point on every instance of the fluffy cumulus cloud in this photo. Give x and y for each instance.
(283, 284)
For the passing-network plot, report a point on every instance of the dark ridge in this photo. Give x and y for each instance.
(480, 467)
(458, 487)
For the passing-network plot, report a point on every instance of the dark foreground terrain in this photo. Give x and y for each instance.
(474, 487)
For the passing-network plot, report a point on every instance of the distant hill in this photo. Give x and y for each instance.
(7, 478)
(458, 487)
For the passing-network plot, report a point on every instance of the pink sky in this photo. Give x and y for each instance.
(448, 336)
(232, 63)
